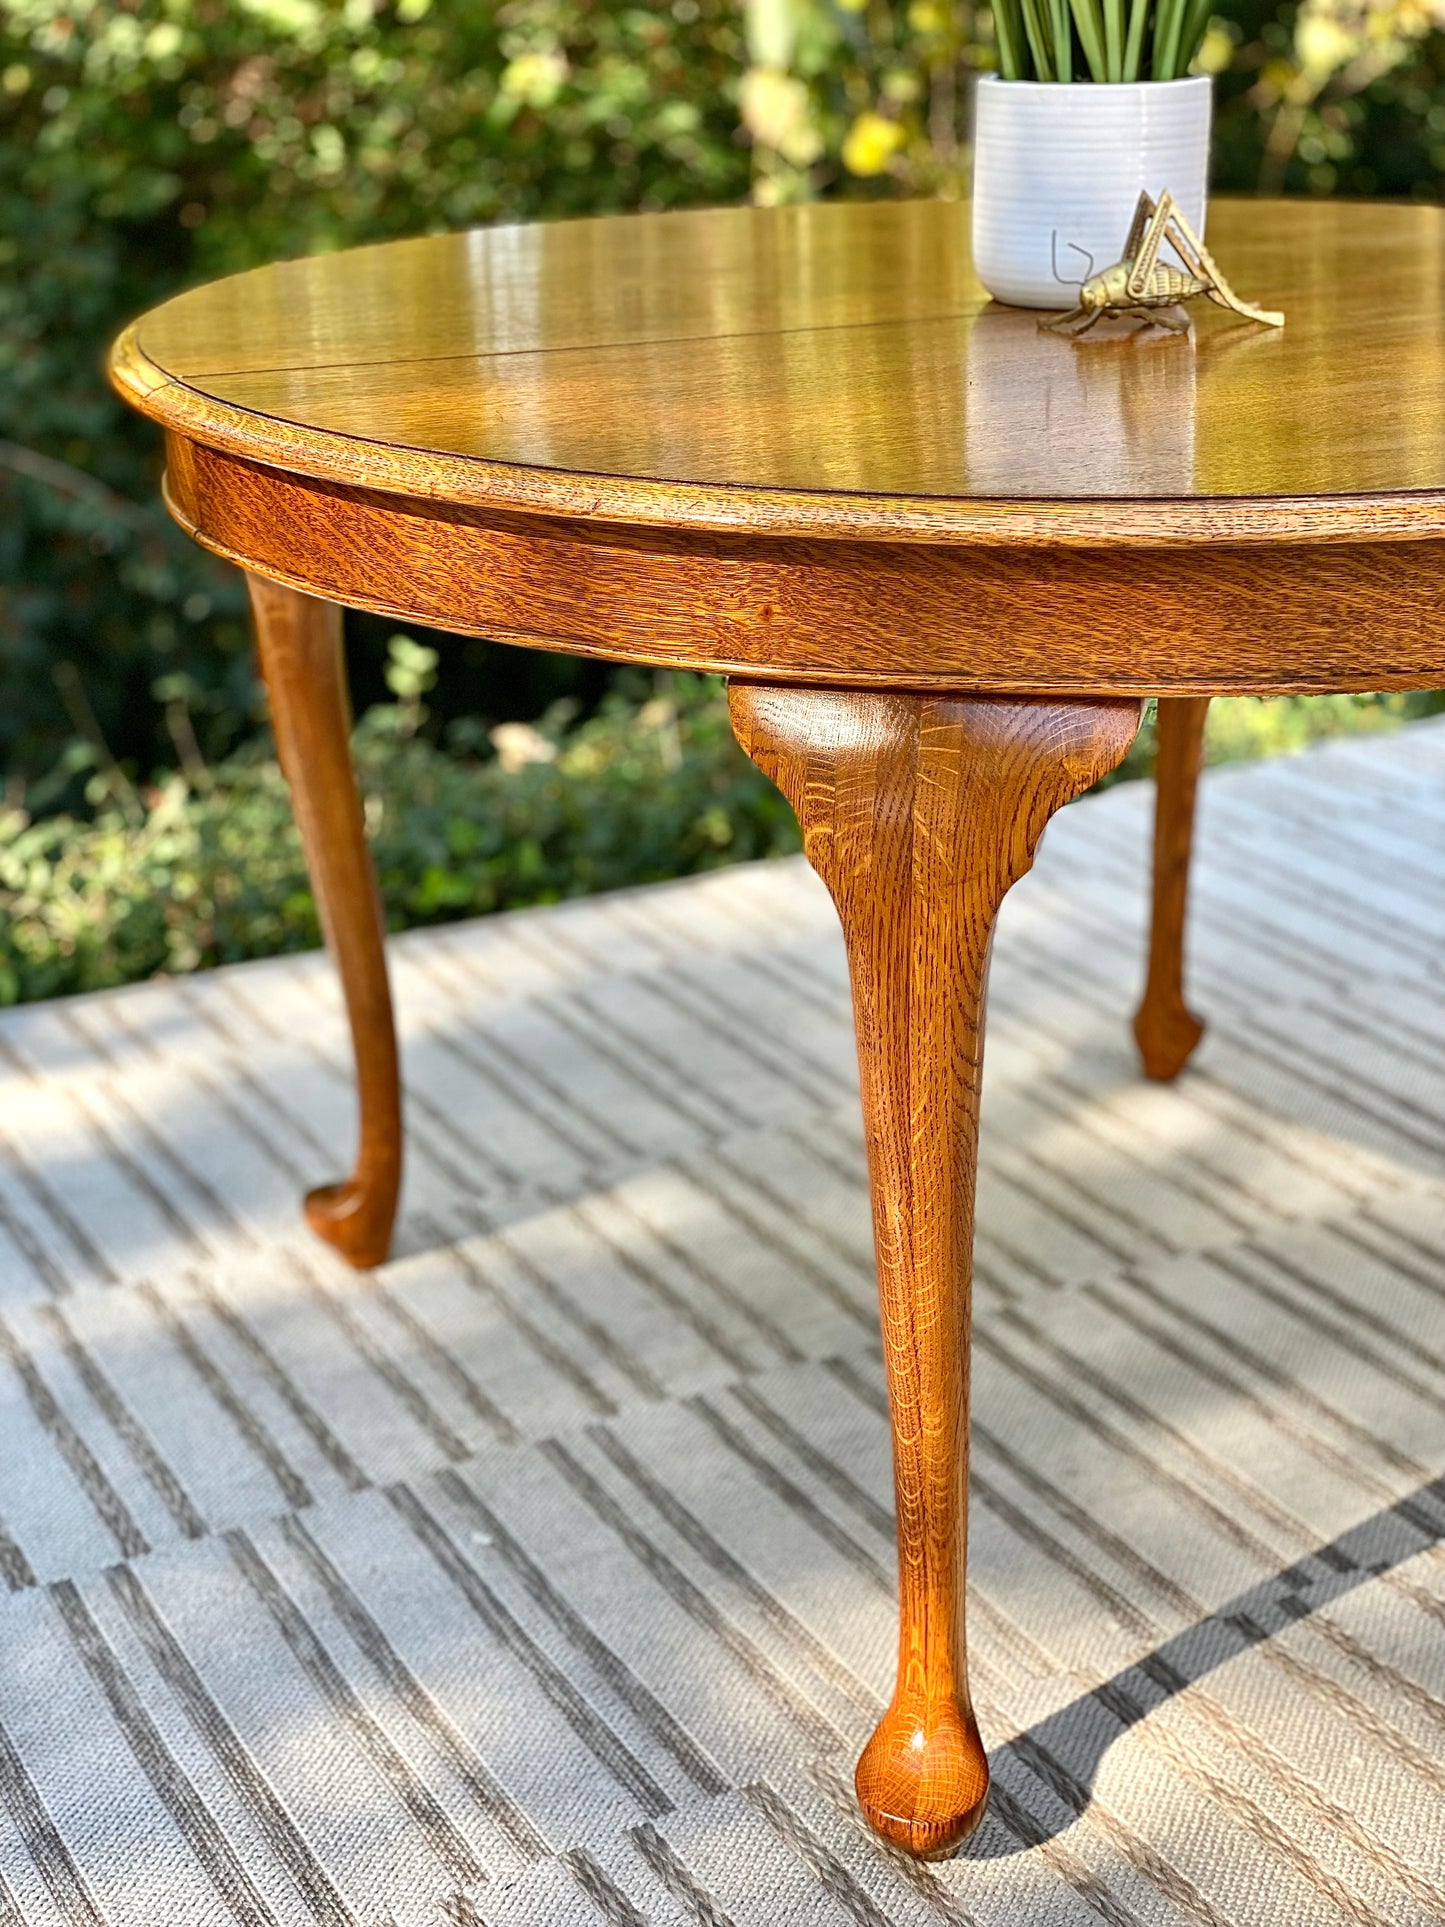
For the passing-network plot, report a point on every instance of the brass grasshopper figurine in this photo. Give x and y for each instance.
(1144, 287)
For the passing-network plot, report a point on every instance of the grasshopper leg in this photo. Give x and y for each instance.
(1083, 326)
(1161, 319)
(1058, 324)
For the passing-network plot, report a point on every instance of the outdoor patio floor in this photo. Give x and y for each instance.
(545, 1576)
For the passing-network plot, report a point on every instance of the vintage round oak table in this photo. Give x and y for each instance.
(941, 557)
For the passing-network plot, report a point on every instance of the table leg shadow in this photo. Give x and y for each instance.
(1067, 1748)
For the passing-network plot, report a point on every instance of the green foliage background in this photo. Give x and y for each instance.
(149, 144)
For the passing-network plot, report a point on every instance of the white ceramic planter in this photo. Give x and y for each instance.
(1059, 166)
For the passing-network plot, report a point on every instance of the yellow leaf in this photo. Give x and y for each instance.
(1216, 50)
(871, 143)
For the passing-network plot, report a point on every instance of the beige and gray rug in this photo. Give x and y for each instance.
(545, 1577)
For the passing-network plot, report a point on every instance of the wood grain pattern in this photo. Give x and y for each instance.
(299, 642)
(832, 370)
(1166, 1029)
(919, 812)
(798, 446)
(1066, 620)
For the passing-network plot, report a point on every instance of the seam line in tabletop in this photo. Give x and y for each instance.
(561, 348)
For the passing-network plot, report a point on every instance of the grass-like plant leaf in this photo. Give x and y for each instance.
(1098, 40)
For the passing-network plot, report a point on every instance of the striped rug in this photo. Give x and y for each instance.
(545, 1576)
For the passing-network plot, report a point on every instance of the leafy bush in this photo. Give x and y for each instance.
(207, 868)
(1321, 97)
(1248, 726)
(1241, 728)
(149, 144)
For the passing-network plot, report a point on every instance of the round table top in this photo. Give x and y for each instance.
(833, 369)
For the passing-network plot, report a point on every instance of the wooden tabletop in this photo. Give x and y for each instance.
(833, 369)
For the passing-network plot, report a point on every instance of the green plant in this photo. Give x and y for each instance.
(206, 867)
(1101, 40)
(150, 144)
(1245, 728)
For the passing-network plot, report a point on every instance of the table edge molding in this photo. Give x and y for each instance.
(1066, 621)
(731, 508)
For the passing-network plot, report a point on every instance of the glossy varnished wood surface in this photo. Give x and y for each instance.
(298, 640)
(833, 370)
(1202, 617)
(1165, 1028)
(919, 813)
(798, 447)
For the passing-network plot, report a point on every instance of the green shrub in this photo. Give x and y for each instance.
(146, 145)
(207, 869)
(1243, 728)
(1246, 727)
(149, 144)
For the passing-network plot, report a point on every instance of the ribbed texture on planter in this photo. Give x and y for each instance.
(1059, 167)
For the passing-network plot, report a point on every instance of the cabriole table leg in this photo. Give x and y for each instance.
(299, 641)
(919, 812)
(1165, 1028)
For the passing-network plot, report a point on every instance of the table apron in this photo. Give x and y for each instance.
(1196, 617)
